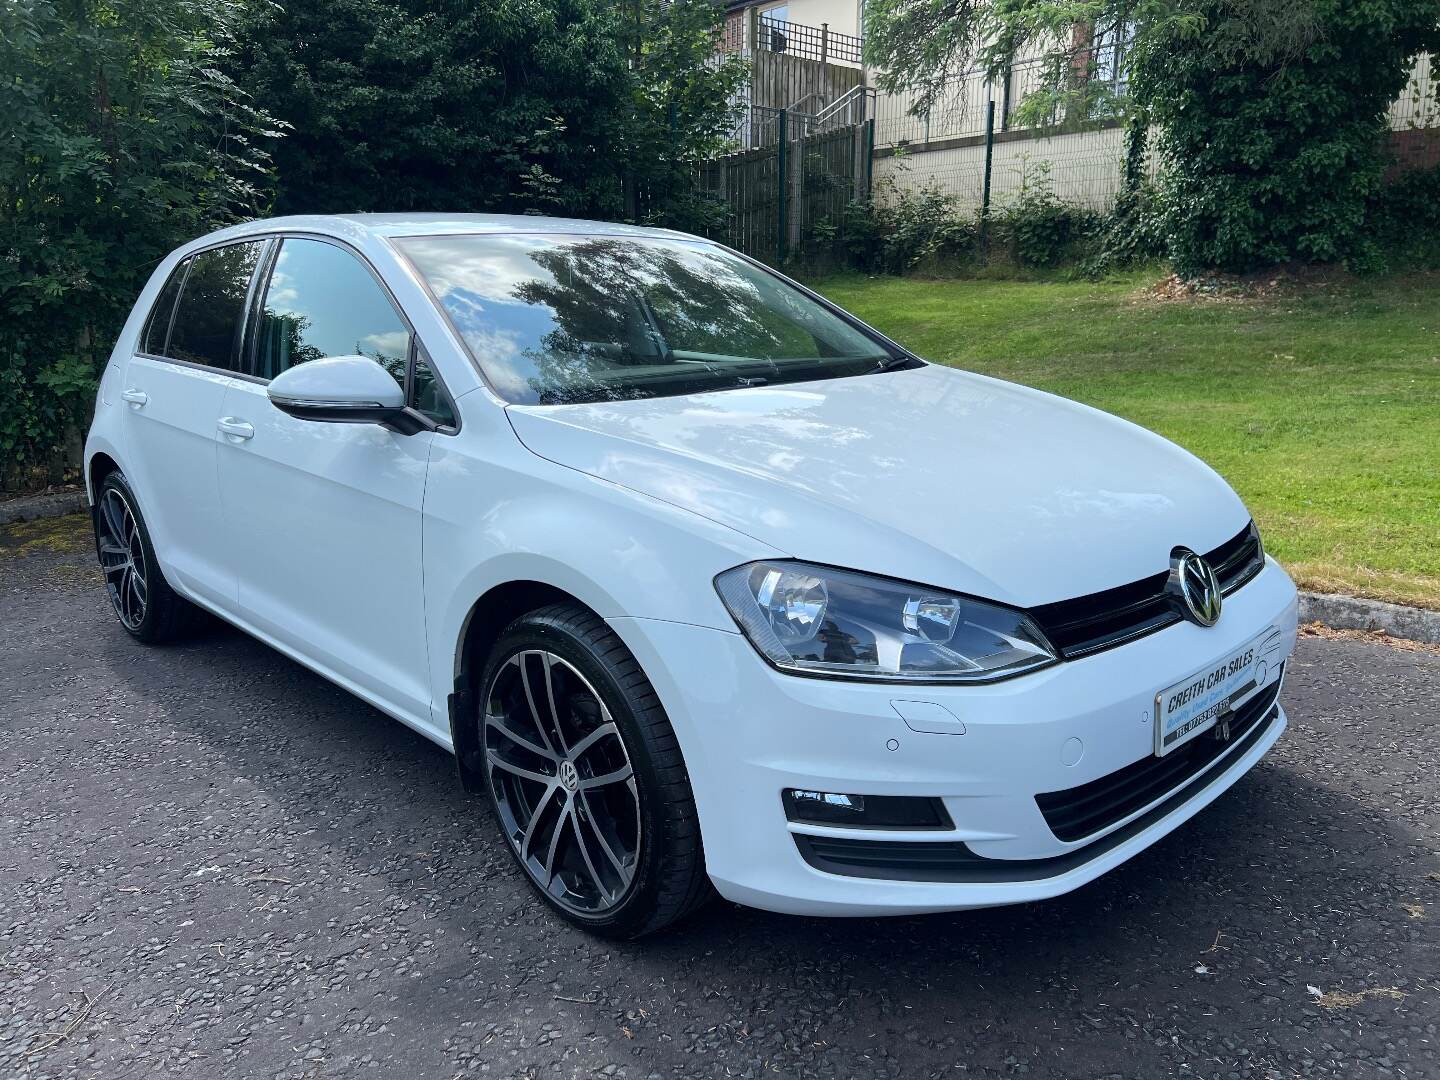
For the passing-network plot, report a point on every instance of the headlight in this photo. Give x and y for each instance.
(813, 620)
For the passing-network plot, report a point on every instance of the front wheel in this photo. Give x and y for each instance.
(586, 777)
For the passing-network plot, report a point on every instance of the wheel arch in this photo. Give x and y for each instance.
(100, 465)
(489, 615)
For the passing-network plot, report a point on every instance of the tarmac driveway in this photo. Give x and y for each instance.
(215, 864)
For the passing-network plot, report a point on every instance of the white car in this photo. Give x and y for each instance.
(703, 581)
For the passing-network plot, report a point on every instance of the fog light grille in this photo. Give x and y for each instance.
(864, 811)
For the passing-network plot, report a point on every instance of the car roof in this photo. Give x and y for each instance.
(360, 227)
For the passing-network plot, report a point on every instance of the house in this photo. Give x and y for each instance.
(799, 27)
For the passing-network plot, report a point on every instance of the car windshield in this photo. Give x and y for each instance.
(559, 319)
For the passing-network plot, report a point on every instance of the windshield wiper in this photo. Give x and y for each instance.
(895, 363)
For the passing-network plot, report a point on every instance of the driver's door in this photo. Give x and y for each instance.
(324, 518)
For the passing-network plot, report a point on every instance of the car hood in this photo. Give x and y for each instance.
(929, 474)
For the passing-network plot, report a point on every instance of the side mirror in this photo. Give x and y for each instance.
(344, 390)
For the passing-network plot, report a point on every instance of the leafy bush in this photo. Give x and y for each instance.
(583, 107)
(1041, 230)
(1277, 160)
(1405, 220)
(900, 229)
(121, 140)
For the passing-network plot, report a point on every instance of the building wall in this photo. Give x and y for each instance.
(842, 15)
(1086, 168)
(1081, 168)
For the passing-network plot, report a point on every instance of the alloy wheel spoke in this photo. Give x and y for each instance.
(592, 738)
(599, 834)
(606, 779)
(530, 829)
(127, 596)
(515, 770)
(580, 827)
(540, 706)
(497, 723)
(554, 847)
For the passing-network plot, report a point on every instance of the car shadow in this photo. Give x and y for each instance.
(1285, 866)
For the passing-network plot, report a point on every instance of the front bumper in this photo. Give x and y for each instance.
(749, 732)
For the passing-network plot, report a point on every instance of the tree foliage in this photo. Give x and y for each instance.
(119, 139)
(550, 106)
(131, 126)
(409, 105)
(1270, 112)
(1278, 160)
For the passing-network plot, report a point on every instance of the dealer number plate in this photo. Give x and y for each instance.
(1195, 705)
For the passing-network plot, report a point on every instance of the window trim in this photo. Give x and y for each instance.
(255, 295)
(412, 356)
(188, 260)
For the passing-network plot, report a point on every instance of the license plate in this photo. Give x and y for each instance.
(1195, 705)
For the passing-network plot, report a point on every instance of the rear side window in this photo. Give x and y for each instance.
(157, 328)
(322, 301)
(211, 309)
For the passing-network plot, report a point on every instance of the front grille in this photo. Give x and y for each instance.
(1102, 620)
(1082, 811)
(953, 861)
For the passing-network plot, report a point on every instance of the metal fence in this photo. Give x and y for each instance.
(810, 42)
(960, 110)
(793, 179)
(1079, 156)
(752, 30)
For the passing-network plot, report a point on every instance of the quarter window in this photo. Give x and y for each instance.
(427, 396)
(208, 317)
(157, 328)
(322, 301)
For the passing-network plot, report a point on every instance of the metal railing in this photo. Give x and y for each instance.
(961, 109)
(808, 42)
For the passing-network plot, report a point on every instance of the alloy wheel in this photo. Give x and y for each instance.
(122, 558)
(562, 781)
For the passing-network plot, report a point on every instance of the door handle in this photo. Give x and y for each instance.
(135, 397)
(236, 428)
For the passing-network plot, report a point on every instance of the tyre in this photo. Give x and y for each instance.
(586, 778)
(146, 606)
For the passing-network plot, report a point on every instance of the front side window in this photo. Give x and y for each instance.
(209, 315)
(558, 319)
(322, 301)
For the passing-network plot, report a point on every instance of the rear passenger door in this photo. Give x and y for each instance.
(324, 518)
(173, 390)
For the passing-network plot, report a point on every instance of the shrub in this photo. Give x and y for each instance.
(1405, 220)
(1041, 230)
(121, 141)
(1273, 160)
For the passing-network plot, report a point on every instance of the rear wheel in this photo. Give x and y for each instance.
(586, 778)
(146, 606)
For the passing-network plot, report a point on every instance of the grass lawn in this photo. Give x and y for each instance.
(1321, 408)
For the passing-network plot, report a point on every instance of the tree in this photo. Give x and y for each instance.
(684, 99)
(1270, 112)
(410, 105)
(119, 139)
(493, 105)
(1282, 158)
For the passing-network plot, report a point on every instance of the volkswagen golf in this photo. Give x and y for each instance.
(707, 585)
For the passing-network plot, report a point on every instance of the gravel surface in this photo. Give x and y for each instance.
(214, 863)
